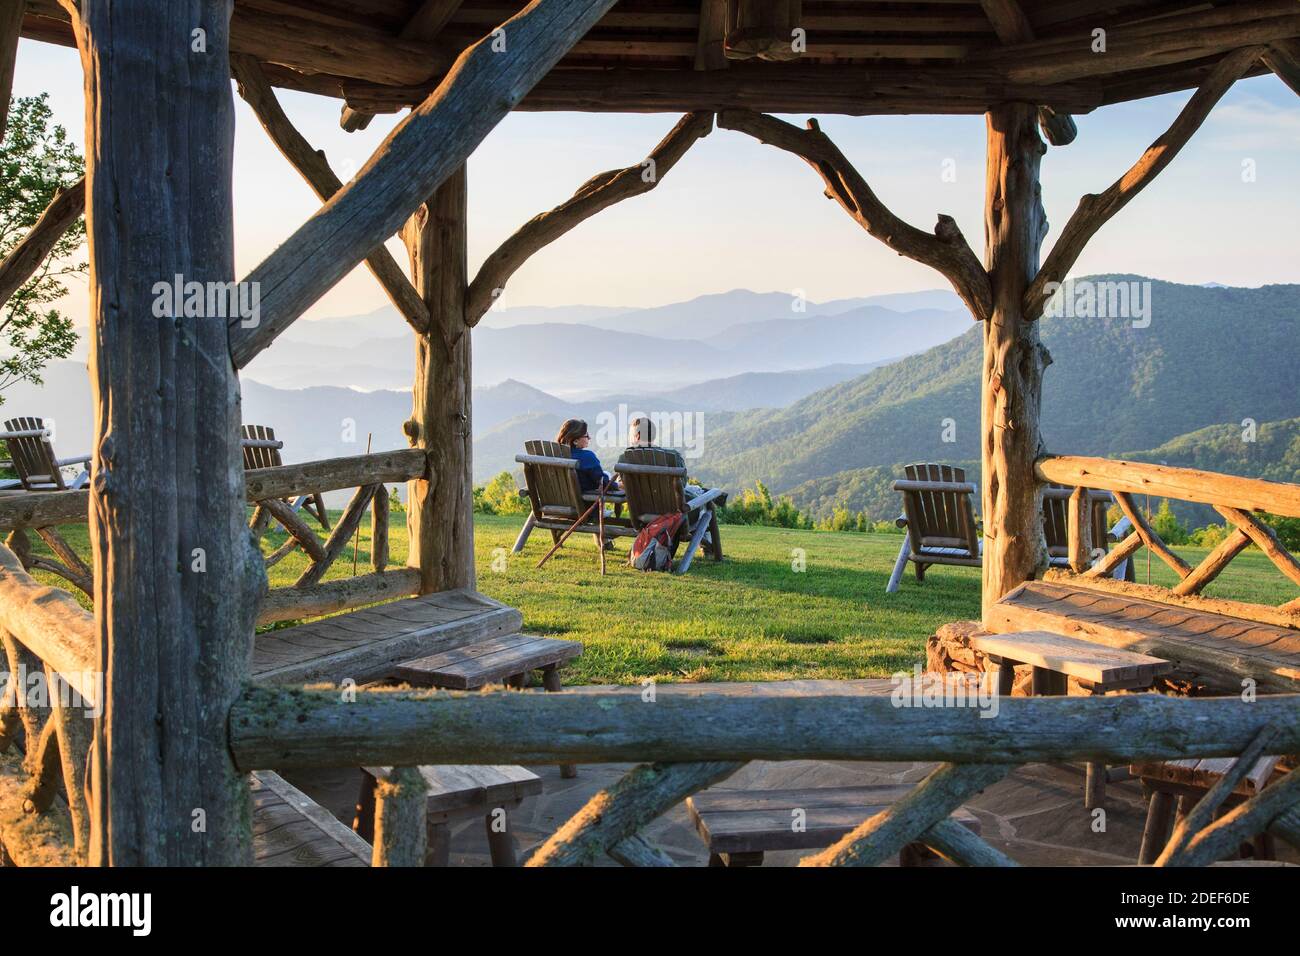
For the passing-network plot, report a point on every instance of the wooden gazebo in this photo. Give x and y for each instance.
(169, 655)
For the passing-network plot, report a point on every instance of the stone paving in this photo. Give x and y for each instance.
(1036, 815)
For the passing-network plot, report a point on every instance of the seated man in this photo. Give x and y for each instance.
(641, 435)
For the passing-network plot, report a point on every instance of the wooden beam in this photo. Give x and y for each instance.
(315, 169)
(1013, 27)
(709, 54)
(881, 837)
(960, 845)
(1213, 563)
(440, 502)
(339, 537)
(25, 258)
(599, 192)
(1283, 58)
(945, 250)
(1014, 359)
(1095, 209)
(1169, 481)
(824, 88)
(480, 90)
(177, 580)
(289, 481)
(11, 25)
(296, 728)
(50, 624)
(425, 24)
(617, 813)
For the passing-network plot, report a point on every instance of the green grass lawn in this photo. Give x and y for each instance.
(753, 617)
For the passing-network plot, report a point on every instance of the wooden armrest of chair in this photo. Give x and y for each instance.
(260, 443)
(547, 460)
(901, 521)
(627, 468)
(79, 460)
(699, 501)
(961, 487)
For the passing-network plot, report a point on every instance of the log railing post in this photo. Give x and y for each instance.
(1079, 533)
(440, 505)
(177, 578)
(1014, 359)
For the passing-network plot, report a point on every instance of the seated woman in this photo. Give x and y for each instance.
(590, 475)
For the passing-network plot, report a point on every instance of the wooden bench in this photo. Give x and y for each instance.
(364, 644)
(291, 829)
(507, 659)
(457, 793)
(1175, 786)
(739, 826)
(1055, 658)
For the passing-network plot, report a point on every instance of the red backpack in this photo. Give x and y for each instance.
(654, 546)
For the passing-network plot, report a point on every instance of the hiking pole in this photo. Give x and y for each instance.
(564, 537)
(600, 525)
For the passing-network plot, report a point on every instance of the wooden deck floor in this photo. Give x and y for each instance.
(364, 645)
(1192, 639)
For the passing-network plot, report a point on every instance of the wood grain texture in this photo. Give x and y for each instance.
(314, 728)
(173, 640)
(481, 88)
(292, 604)
(11, 22)
(440, 502)
(399, 818)
(1015, 550)
(1169, 481)
(945, 250)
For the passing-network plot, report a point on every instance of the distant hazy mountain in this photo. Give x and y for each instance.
(708, 316)
(1209, 355)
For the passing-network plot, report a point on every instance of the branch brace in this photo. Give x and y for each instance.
(1095, 209)
(946, 250)
(599, 192)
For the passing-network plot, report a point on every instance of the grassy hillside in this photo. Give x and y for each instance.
(753, 617)
(1111, 388)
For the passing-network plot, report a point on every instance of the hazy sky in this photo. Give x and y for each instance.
(735, 213)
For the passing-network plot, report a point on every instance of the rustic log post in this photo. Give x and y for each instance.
(401, 801)
(1080, 529)
(1014, 359)
(176, 575)
(440, 505)
(11, 24)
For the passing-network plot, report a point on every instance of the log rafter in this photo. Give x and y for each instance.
(945, 250)
(312, 165)
(1283, 58)
(1096, 209)
(600, 192)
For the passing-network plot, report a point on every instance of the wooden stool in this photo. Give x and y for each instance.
(1055, 658)
(1175, 786)
(739, 826)
(507, 659)
(457, 793)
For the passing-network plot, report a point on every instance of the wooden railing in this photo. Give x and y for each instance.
(48, 637)
(686, 742)
(1235, 498)
(43, 512)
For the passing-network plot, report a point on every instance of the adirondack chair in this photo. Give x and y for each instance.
(942, 529)
(262, 450)
(654, 481)
(939, 516)
(33, 458)
(557, 500)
